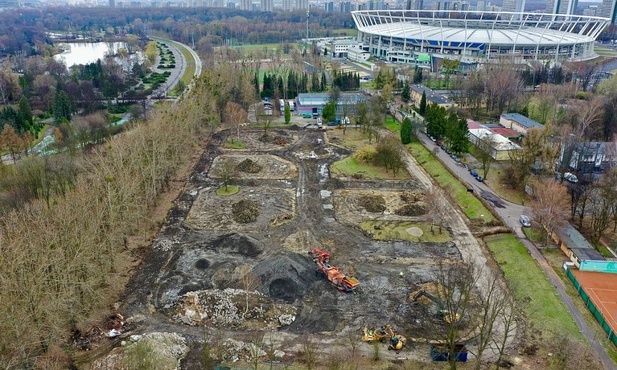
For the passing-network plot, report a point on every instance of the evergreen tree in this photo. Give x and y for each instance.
(256, 82)
(423, 103)
(406, 131)
(24, 115)
(406, 93)
(459, 135)
(417, 76)
(324, 81)
(287, 113)
(329, 111)
(436, 120)
(62, 107)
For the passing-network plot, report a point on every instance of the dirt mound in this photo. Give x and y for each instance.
(373, 203)
(411, 196)
(333, 184)
(416, 209)
(248, 166)
(245, 211)
(284, 289)
(237, 244)
(277, 139)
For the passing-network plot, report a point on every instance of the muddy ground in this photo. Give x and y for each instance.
(202, 251)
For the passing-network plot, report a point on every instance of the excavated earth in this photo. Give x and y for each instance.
(196, 275)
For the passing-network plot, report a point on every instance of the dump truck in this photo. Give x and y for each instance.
(335, 275)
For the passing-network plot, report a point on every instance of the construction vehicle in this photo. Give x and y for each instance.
(442, 313)
(333, 274)
(384, 334)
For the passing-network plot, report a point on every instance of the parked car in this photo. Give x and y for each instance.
(479, 178)
(473, 173)
(432, 138)
(525, 220)
(307, 115)
(570, 177)
(332, 123)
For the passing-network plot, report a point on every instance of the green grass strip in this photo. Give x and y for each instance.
(544, 308)
(471, 206)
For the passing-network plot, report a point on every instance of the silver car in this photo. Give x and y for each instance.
(525, 220)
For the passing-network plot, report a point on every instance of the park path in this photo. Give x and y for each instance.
(509, 213)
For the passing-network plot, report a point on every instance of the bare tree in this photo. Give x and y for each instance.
(455, 293)
(228, 172)
(486, 149)
(255, 351)
(550, 205)
(507, 321)
(310, 352)
(249, 282)
(235, 115)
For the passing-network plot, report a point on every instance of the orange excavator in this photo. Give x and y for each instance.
(334, 274)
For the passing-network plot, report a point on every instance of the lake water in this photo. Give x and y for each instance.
(86, 52)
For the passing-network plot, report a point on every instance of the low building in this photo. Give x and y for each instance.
(346, 104)
(575, 246)
(340, 48)
(356, 53)
(518, 122)
(431, 97)
(502, 146)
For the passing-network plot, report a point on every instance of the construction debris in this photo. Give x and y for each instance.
(410, 210)
(228, 307)
(373, 203)
(245, 211)
(248, 166)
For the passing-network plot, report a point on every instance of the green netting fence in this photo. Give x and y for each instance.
(592, 307)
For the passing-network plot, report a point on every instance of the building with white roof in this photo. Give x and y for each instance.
(473, 36)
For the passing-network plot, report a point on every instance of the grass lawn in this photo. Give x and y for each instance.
(471, 206)
(352, 139)
(397, 230)
(263, 47)
(605, 51)
(349, 166)
(234, 145)
(345, 32)
(544, 307)
(535, 234)
(231, 190)
(392, 125)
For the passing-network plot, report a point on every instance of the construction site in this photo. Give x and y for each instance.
(296, 252)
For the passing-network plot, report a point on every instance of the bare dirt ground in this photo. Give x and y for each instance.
(196, 275)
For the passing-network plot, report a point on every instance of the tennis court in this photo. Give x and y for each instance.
(602, 291)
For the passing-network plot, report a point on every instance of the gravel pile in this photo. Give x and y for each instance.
(373, 203)
(228, 307)
(245, 211)
(248, 166)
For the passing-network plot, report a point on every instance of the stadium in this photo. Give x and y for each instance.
(411, 36)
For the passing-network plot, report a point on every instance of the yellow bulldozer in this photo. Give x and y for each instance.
(384, 334)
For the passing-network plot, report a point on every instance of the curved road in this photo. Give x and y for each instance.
(509, 213)
(181, 63)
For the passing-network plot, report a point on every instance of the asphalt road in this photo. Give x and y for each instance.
(509, 213)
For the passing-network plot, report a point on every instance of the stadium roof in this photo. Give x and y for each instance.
(524, 36)
(498, 28)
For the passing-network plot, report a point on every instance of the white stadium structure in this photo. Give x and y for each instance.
(418, 36)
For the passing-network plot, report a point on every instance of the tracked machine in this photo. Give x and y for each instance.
(385, 334)
(341, 281)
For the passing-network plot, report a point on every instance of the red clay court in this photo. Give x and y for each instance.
(602, 290)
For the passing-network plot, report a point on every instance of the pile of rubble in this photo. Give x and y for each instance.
(245, 211)
(373, 203)
(231, 307)
(248, 166)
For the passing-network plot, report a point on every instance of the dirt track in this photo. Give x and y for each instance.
(189, 255)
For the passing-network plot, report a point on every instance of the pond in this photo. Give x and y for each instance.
(86, 52)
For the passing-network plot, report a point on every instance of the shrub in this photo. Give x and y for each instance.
(366, 154)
